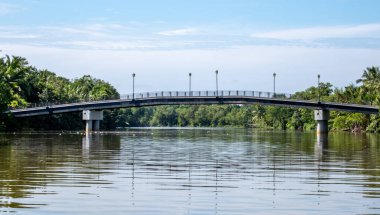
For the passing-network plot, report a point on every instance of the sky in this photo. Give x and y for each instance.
(163, 41)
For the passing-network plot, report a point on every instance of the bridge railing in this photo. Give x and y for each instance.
(222, 93)
(52, 103)
(158, 94)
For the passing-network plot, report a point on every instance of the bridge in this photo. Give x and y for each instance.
(92, 110)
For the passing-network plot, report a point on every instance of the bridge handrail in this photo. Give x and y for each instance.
(221, 93)
(158, 94)
(161, 94)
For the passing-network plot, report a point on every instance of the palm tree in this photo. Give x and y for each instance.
(13, 74)
(350, 94)
(13, 71)
(371, 76)
(371, 83)
(82, 87)
(89, 88)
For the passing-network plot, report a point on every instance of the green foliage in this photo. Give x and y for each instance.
(302, 119)
(374, 125)
(164, 116)
(312, 93)
(48, 87)
(88, 88)
(14, 73)
(22, 84)
(370, 89)
(349, 94)
(348, 121)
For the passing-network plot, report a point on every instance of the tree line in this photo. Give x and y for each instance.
(22, 84)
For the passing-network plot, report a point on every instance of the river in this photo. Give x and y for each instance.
(189, 171)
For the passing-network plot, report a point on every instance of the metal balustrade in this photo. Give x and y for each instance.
(224, 93)
(161, 94)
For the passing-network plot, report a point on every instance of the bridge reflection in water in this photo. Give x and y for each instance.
(321, 145)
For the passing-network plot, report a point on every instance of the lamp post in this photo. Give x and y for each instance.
(47, 89)
(274, 84)
(133, 86)
(216, 76)
(190, 84)
(319, 89)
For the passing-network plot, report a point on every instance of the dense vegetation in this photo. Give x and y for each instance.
(22, 85)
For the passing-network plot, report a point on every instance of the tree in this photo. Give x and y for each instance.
(370, 79)
(13, 78)
(164, 116)
(311, 93)
(349, 94)
(89, 88)
(48, 87)
(278, 117)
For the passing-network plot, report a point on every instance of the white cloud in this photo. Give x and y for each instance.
(8, 35)
(6, 8)
(180, 32)
(72, 31)
(95, 36)
(111, 36)
(314, 33)
(109, 45)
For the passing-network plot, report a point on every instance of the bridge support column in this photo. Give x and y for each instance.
(322, 117)
(92, 119)
(96, 125)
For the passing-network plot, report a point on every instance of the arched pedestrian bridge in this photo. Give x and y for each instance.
(92, 109)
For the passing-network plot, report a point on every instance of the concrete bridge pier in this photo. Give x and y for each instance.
(322, 117)
(92, 119)
(97, 124)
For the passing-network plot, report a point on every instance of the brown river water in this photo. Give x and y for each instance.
(189, 171)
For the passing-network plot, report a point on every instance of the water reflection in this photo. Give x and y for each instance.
(321, 154)
(90, 141)
(170, 171)
(321, 146)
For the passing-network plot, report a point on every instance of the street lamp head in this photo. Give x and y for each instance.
(190, 74)
(133, 75)
(274, 74)
(319, 76)
(216, 71)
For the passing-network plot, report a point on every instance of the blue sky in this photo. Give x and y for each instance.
(162, 41)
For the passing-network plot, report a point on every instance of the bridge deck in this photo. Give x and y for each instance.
(177, 99)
